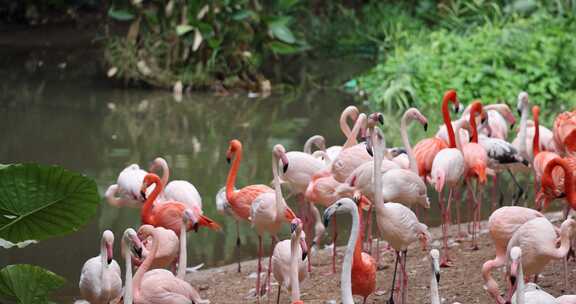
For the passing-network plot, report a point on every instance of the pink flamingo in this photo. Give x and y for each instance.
(501, 225)
(269, 211)
(167, 253)
(426, 150)
(447, 169)
(289, 262)
(126, 191)
(538, 240)
(352, 155)
(397, 224)
(500, 120)
(168, 214)
(552, 183)
(476, 161)
(434, 257)
(131, 248)
(100, 280)
(363, 264)
(565, 132)
(159, 286)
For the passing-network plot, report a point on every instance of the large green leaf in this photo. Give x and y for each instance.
(39, 201)
(28, 284)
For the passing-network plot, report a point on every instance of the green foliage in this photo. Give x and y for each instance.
(490, 62)
(200, 42)
(38, 201)
(28, 284)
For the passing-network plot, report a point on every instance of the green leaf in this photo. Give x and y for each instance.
(120, 14)
(183, 29)
(28, 284)
(243, 14)
(286, 4)
(281, 31)
(39, 201)
(283, 48)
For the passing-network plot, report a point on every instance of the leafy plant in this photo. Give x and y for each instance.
(38, 201)
(28, 284)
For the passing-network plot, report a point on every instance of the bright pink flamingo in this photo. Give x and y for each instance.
(289, 262)
(447, 170)
(500, 120)
(269, 211)
(167, 253)
(159, 286)
(426, 150)
(168, 214)
(501, 225)
(476, 161)
(363, 265)
(565, 132)
(538, 240)
(562, 181)
(100, 281)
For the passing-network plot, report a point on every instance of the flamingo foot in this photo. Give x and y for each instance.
(446, 262)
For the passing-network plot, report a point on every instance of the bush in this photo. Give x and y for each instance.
(490, 62)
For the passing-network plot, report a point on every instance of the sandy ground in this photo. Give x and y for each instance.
(461, 283)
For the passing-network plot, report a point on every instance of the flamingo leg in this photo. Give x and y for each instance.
(238, 243)
(278, 296)
(495, 191)
(391, 299)
(404, 276)
(269, 273)
(475, 214)
(446, 260)
(520, 191)
(334, 246)
(260, 253)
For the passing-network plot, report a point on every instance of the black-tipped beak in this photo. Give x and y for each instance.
(195, 227)
(143, 194)
(109, 261)
(285, 168)
(138, 252)
(293, 228)
(425, 127)
(483, 120)
(512, 126)
(369, 150)
(228, 160)
(519, 112)
(457, 108)
(437, 277)
(304, 255)
(326, 220)
(381, 119)
(513, 280)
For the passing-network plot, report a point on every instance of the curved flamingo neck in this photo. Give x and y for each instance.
(378, 155)
(434, 295)
(473, 129)
(103, 259)
(294, 280)
(358, 125)
(231, 179)
(350, 111)
(146, 264)
(568, 178)
(358, 247)
(182, 259)
(448, 121)
(565, 231)
(520, 287)
(277, 188)
(128, 280)
(406, 141)
(346, 276)
(536, 139)
(161, 162)
(146, 215)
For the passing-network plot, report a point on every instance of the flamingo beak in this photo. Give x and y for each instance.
(293, 228)
(109, 253)
(426, 127)
(143, 194)
(381, 118)
(304, 249)
(369, 148)
(512, 126)
(327, 216)
(284, 162)
(228, 160)
(195, 227)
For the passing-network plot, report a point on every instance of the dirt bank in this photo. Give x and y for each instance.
(462, 283)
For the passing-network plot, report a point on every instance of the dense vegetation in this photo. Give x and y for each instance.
(484, 50)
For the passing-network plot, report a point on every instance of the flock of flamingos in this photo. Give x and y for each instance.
(366, 180)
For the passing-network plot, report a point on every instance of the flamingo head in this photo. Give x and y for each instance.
(414, 114)
(132, 242)
(438, 181)
(280, 153)
(515, 256)
(295, 230)
(451, 96)
(108, 244)
(189, 219)
(375, 118)
(234, 146)
(158, 162)
(435, 260)
(149, 179)
(522, 102)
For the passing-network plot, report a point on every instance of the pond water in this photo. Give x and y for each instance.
(81, 122)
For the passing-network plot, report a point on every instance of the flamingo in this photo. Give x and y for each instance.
(131, 245)
(269, 211)
(100, 280)
(538, 239)
(169, 213)
(289, 262)
(565, 132)
(126, 191)
(224, 208)
(530, 293)
(426, 150)
(435, 278)
(502, 224)
(167, 253)
(363, 266)
(500, 120)
(447, 169)
(552, 183)
(159, 286)
(397, 224)
(476, 161)
(352, 155)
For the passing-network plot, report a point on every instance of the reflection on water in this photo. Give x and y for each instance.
(99, 131)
